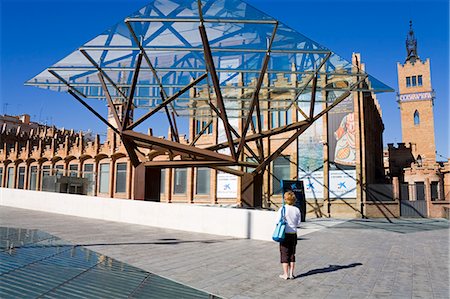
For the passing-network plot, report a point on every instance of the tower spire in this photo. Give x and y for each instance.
(411, 45)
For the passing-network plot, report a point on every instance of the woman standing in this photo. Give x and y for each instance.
(287, 247)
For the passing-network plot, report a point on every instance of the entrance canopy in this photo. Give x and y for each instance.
(218, 58)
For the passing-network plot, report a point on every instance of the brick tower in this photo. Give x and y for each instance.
(415, 98)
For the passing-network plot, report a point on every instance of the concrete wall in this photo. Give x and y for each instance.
(241, 223)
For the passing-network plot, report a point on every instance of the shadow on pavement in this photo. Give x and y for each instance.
(330, 268)
(401, 226)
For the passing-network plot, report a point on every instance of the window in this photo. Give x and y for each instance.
(281, 171)
(420, 191)
(419, 80)
(163, 181)
(1, 176)
(414, 80)
(73, 170)
(45, 173)
(59, 170)
(281, 118)
(104, 178)
(121, 177)
(434, 191)
(408, 81)
(21, 179)
(10, 177)
(416, 118)
(254, 121)
(180, 181)
(203, 176)
(33, 178)
(200, 124)
(250, 159)
(88, 173)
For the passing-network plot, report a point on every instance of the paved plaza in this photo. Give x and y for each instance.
(377, 258)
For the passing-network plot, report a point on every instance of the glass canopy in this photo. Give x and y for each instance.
(160, 48)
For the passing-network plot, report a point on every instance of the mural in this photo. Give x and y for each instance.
(342, 147)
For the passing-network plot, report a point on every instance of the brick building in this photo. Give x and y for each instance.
(423, 182)
(28, 156)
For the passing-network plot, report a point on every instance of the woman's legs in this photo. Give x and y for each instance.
(285, 269)
(291, 269)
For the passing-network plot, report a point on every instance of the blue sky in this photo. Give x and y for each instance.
(36, 34)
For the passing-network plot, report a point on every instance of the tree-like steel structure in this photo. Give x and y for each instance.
(155, 56)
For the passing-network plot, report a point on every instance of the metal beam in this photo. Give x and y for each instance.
(215, 80)
(110, 102)
(198, 49)
(170, 145)
(131, 95)
(67, 83)
(167, 101)
(105, 75)
(293, 126)
(313, 98)
(194, 163)
(275, 154)
(309, 80)
(236, 134)
(255, 101)
(196, 20)
(93, 111)
(197, 137)
(130, 147)
(230, 170)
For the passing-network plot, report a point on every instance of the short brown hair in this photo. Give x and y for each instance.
(289, 197)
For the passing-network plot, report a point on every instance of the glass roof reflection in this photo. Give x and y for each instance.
(36, 264)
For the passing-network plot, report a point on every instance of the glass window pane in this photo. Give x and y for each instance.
(250, 159)
(281, 171)
(414, 82)
(408, 81)
(163, 181)
(416, 118)
(88, 174)
(88, 167)
(273, 120)
(180, 181)
(419, 80)
(203, 177)
(21, 179)
(33, 178)
(434, 191)
(45, 170)
(282, 118)
(73, 170)
(121, 177)
(104, 178)
(59, 170)
(10, 177)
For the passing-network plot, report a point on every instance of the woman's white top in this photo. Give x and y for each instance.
(293, 218)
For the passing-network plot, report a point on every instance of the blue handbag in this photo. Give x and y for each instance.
(278, 234)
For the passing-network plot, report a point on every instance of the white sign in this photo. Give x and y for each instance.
(342, 183)
(420, 96)
(226, 185)
(313, 184)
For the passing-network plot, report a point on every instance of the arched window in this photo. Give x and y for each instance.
(416, 118)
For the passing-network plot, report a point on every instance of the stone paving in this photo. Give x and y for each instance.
(377, 258)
